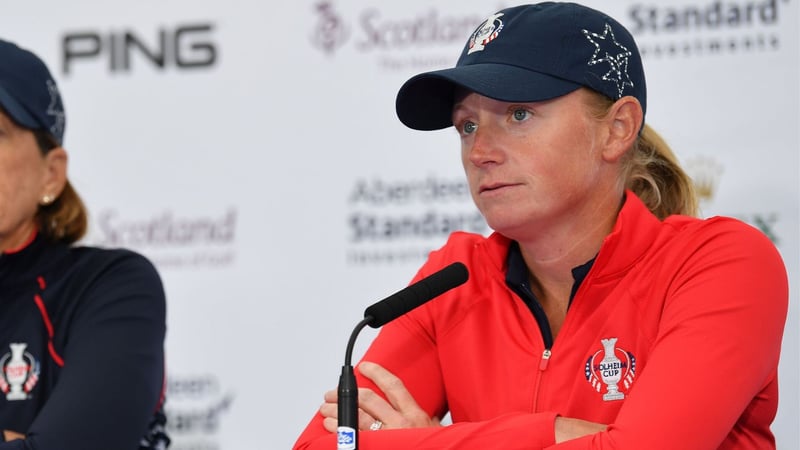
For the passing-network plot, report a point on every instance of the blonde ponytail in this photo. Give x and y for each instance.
(654, 174)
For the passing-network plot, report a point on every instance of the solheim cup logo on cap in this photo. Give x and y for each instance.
(19, 372)
(611, 368)
(487, 32)
(608, 50)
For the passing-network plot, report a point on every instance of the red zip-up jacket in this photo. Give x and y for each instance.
(672, 338)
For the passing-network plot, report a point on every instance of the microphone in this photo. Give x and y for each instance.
(376, 316)
(415, 295)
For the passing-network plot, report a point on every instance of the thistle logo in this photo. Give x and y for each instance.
(330, 32)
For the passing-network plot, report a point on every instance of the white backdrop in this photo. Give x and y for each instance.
(251, 150)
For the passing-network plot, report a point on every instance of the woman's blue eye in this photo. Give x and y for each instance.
(469, 127)
(520, 114)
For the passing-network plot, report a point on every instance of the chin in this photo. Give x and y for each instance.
(505, 227)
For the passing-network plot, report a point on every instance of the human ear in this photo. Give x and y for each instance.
(624, 120)
(55, 173)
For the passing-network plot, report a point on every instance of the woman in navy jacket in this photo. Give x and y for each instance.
(81, 329)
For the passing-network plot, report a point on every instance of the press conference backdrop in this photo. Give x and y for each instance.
(251, 150)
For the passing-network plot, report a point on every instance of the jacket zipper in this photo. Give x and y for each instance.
(543, 363)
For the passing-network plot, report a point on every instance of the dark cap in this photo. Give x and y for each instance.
(28, 93)
(526, 54)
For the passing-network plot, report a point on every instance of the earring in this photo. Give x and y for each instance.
(47, 199)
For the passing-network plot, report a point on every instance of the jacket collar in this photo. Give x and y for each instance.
(28, 261)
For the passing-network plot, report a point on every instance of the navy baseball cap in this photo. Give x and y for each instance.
(28, 93)
(530, 53)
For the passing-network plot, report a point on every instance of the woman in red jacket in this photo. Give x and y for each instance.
(600, 314)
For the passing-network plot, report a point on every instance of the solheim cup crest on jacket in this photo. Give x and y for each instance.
(611, 370)
(20, 372)
(485, 33)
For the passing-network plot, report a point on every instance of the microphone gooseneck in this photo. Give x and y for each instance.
(347, 403)
(376, 316)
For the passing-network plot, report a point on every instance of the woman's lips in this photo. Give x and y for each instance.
(495, 187)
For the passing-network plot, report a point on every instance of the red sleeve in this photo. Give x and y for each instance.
(512, 432)
(405, 348)
(716, 351)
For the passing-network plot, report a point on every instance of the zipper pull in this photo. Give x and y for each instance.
(545, 359)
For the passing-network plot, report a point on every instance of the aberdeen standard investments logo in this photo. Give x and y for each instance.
(195, 408)
(401, 221)
(708, 28)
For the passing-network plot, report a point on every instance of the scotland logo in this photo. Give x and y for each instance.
(485, 33)
(610, 367)
(19, 372)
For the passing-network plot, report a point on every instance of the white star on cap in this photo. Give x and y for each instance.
(613, 53)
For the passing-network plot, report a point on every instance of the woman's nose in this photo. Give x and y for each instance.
(483, 148)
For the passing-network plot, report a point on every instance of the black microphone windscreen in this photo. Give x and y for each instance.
(416, 294)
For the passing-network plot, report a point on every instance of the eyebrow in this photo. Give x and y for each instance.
(457, 108)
